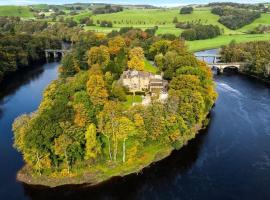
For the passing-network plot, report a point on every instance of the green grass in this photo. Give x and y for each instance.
(263, 20)
(82, 15)
(224, 40)
(16, 11)
(100, 29)
(162, 18)
(149, 67)
(130, 100)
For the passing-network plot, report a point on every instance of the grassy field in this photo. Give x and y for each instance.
(154, 17)
(16, 11)
(263, 20)
(224, 40)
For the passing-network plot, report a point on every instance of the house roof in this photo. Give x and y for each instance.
(134, 73)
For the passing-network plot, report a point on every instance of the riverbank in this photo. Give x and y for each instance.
(99, 174)
(265, 81)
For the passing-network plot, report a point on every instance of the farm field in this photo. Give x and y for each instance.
(224, 40)
(16, 11)
(154, 17)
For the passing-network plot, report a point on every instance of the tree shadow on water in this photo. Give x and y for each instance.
(15, 81)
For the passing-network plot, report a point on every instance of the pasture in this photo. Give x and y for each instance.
(16, 11)
(224, 40)
(148, 18)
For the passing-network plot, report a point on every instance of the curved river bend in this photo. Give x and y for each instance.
(229, 160)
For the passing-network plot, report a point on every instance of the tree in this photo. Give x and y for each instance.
(68, 67)
(81, 115)
(159, 47)
(99, 55)
(118, 92)
(140, 126)
(19, 128)
(107, 122)
(136, 52)
(116, 44)
(96, 88)
(159, 59)
(61, 145)
(186, 10)
(136, 64)
(175, 20)
(125, 129)
(191, 82)
(92, 147)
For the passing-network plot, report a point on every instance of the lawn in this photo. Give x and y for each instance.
(149, 67)
(131, 100)
(224, 40)
(16, 11)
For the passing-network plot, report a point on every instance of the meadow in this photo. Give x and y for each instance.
(148, 18)
(163, 19)
(16, 11)
(198, 45)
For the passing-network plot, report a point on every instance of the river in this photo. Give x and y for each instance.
(229, 160)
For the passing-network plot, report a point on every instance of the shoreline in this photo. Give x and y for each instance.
(89, 179)
(254, 77)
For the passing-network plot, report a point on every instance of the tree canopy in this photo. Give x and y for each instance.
(83, 125)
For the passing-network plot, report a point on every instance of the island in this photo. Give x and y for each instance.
(121, 102)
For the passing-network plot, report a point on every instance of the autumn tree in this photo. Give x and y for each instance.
(161, 46)
(99, 55)
(136, 64)
(116, 44)
(81, 115)
(107, 122)
(92, 147)
(136, 52)
(96, 88)
(125, 129)
(140, 126)
(61, 145)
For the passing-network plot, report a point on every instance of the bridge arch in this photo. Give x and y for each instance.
(55, 53)
(232, 67)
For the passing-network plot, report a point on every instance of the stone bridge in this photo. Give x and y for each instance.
(56, 53)
(221, 66)
(214, 64)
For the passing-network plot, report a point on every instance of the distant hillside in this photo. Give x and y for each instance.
(16, 11)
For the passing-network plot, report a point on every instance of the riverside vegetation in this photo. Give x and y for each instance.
(22, 43)
(83, 133)
(255, 55)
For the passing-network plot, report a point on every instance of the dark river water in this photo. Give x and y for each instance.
(229, 160)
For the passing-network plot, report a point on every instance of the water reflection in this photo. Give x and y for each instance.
(132, 186)
(18, 79)
(12, 83)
